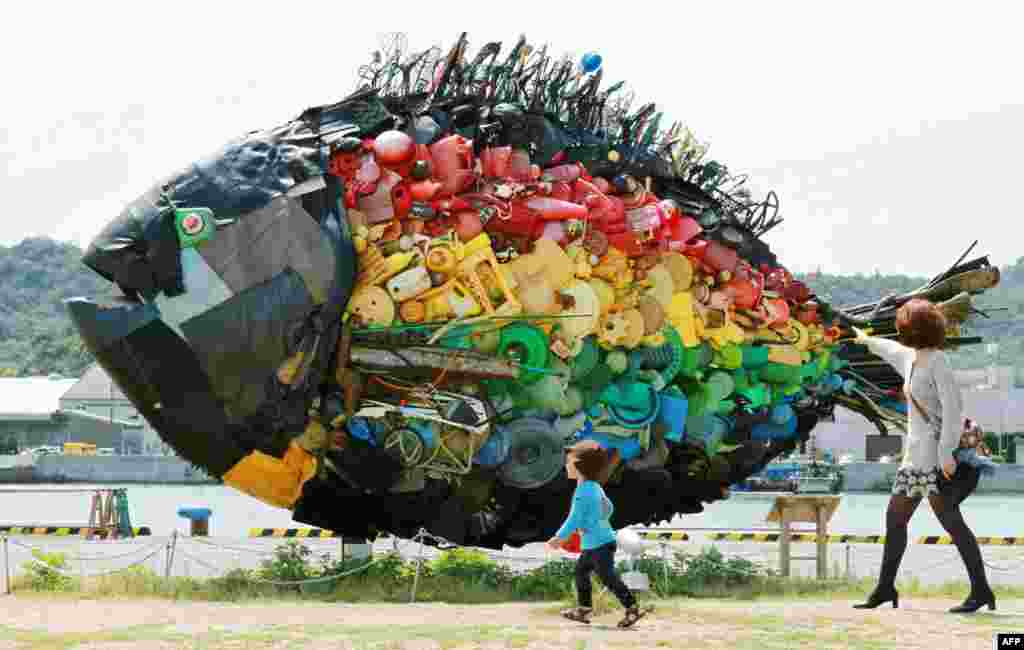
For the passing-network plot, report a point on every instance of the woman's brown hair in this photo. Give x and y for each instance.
(921, 324)
(591, 459)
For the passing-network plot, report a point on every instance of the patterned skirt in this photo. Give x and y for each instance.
(912, 482)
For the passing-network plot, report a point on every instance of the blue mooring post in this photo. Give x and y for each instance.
(199, 519)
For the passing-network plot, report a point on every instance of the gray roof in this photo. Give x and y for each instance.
(95, 385)
(31, 398)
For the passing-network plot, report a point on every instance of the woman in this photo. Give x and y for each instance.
(934, 413)
(585, 462)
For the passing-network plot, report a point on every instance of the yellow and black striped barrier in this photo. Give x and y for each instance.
(66, 531)
(318, 533)
(673, 536)
(798, 537)
(745, 537)
(983, 541)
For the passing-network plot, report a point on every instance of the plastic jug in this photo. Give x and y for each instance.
(453, 163)
(672, 415)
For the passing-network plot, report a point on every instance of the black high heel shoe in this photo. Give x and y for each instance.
(876, 598)
(973, 604)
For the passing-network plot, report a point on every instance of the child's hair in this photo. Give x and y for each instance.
(591, 459)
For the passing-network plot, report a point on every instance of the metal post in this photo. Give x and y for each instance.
(7, 567)
(664, 564)
(784, 543)
(821, 526)
(419, 563)
(847, 561)
(170, 554)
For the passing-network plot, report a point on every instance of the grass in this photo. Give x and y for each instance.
(138, 583)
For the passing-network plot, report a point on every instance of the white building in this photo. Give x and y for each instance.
(96, 408)
(27, 405)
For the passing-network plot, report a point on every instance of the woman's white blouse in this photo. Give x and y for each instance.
(935, 388)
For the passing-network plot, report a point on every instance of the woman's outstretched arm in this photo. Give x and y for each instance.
(895, 354)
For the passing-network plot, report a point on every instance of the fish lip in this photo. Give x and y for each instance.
(102, 324)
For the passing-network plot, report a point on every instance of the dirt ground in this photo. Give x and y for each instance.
(48, 623)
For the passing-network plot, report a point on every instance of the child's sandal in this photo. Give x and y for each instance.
(633, 614)
(578, 614)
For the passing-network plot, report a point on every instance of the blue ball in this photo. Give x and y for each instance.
(591, 62)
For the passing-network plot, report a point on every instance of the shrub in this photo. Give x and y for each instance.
(710, 568)
(234, 585)
(389, 568)
(46, 572)
(290, 563)
(472, 566)
(552, 580)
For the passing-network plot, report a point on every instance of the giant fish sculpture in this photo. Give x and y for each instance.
(394, 312)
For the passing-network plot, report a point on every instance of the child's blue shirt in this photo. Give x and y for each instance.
(591, 513)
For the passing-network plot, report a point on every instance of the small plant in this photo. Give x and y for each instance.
(46, 572)
(234, 584)
(469, 565)
(552, 580)
(710, 568)
(289, 564)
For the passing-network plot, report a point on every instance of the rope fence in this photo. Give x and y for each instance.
(209, 554)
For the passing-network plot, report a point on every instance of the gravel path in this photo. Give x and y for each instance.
(129, 624)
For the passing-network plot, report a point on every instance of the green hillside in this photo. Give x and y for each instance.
(36, 336)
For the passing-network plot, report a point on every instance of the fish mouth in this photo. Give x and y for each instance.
(161, 376)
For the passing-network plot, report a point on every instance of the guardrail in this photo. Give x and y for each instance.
(983, 541)
(303, 533)
(68, 531)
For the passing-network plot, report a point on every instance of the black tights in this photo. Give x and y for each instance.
(897, 517)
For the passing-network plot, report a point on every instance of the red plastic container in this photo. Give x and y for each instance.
(550, 209)
(496, 161)
(453, 163)
(564, 173)
(574, 544)
(720, 257)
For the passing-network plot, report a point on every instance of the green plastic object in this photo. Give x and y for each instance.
(632, 400)
(594, 383)
(673, 339)
(527, 345)
(617, 361)
(458, 338)
(730, 356)
(588, 358)
(549, 392)
(809, 371)
(824, 359)
(780, 374)
(693, 359)
(720, 384)
(194, 226)
(757, 394)
(754, 356)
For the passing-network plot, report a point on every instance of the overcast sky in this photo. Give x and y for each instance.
(891, 131)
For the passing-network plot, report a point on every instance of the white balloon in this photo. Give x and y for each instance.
(629, 542)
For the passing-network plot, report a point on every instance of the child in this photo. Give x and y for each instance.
(585, 462)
